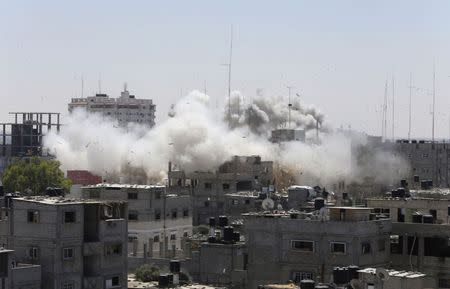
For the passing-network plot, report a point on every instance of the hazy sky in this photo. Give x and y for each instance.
(337, 54)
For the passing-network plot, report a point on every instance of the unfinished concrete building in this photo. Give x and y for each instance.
(209, 189)
(283, 246)
(157, 222)
(77, 243)
(15, 275)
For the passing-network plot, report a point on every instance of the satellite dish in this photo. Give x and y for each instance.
(268, 204)
(382, 274)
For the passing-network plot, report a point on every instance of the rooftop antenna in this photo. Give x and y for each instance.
(289, 105)
(410, 105)
(393, 108)
(125, 86)
(99, 83)
(229, 76)
(434, 101)
(384, 114)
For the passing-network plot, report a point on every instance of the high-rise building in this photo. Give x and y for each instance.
(125, 109)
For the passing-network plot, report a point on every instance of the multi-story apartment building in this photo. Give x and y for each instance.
(209, 189)
(78, 244)
(124, 109)
(283, 246)
(155, 219)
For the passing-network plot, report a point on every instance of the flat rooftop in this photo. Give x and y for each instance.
(395, 273)
(244, 194)
(128, 186)
(135, 284)
(61, 200)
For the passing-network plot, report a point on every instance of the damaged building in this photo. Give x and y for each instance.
(76, 243)
(209, 189)
(157, 221)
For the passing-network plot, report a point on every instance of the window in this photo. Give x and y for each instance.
(338, 247)
(299, 276)
(235, 202)
(156, 239)
(33, 216)
(174, 213)
(132, 196)
(208, 186)
(32, 253)
(444, 283)
(68, 253)
(247, 201)
(113, 282)
(157, 215)
(424, 156)
(158, 195)
(173, 236)
(206, 204)
(226, 186)
(396, 243)
(70, 217)
(94, 194)
(300, 245)
(131, 239)
(185, 234)
(185, 212)
(114, 250)
(132, 216)
(366, 248)
(68, 285)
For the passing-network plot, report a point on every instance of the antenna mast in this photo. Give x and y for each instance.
(393, 109)
(410, 105)
(229, 77)
(434, 101)
(289, 105)
(384, 120)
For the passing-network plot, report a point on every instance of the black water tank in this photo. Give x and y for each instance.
(403, 183)
(163, 280)
(319, 203)
(294, 215)
(401, 192)
(2, 191)
(54, 192)
(228, 234)
(307, 284)
(262, 196)
(211, 239)
(236, 236)
(417, 218)
(353, 272)
(212, 221)
(416, 179)
(345, 196)
(223, 221)
(430, 184)
(394, 193)
(428, 219)
(175, 266)
(424, 185)
(340, 275)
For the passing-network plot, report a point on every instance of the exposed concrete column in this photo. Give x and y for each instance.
(405, 245)
(166, 246)
(174, 250)
(145, 251)
(150, 247)
(161, 250)
(420, 250)
(135, 247)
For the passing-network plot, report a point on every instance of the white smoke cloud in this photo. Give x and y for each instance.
(194, 139)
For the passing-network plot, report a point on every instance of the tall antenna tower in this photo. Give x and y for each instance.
(229, 76)
(434, 101)
(289, 105)
(410, 105)
(384, 118)
(393, 108)
(99, 83)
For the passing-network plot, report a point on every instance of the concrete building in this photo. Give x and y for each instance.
(286, 135)
(18, 275)
(157, 222)
(209, 189)
(286, 246)
(378, 278)
(77, 243)
(125, 109)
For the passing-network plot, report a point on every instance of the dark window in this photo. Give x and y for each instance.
(174, 213)
(156, 239)
(413, 245)
(247, 201)
(173, 236)
(33, 216)
(132, 216)
(306, 246)
(366, 248)
(157, 215)
(338, 247)
(299, 276)
(208, 186)
(396, 243)
(131, 239)
(185, 234)
(114, 250)
(206, 204)
(185, 212)
(226, 186)
(132, 196)
(113, 282)
(381, 245)
(68, 253)
(70, 217)
(157, 195)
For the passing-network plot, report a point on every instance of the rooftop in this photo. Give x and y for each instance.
(395, 273)
(121, 186)
(244, 194)
(135, 284)
(61, 200)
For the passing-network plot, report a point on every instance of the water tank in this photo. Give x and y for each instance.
(319, 203)
(2, 192)
(394, 193)
(414, 141)
(345, 196)
(163, 280)
(223, 221)
(403, 183)
(416, 179)
(417, 218)
(212, 221)
(174, 266)
(211, 239)
(424, 185)
(294, 215)
(228, 234)
(307, 284)
(353, 272)
(428, 219)
(236, 236)
(401, 192)
(340, 275)
(430, 184)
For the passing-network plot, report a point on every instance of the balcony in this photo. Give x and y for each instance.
(116, 228)
(92, 248)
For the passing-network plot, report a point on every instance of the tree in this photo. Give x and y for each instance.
(146, 273)
(32, 176)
